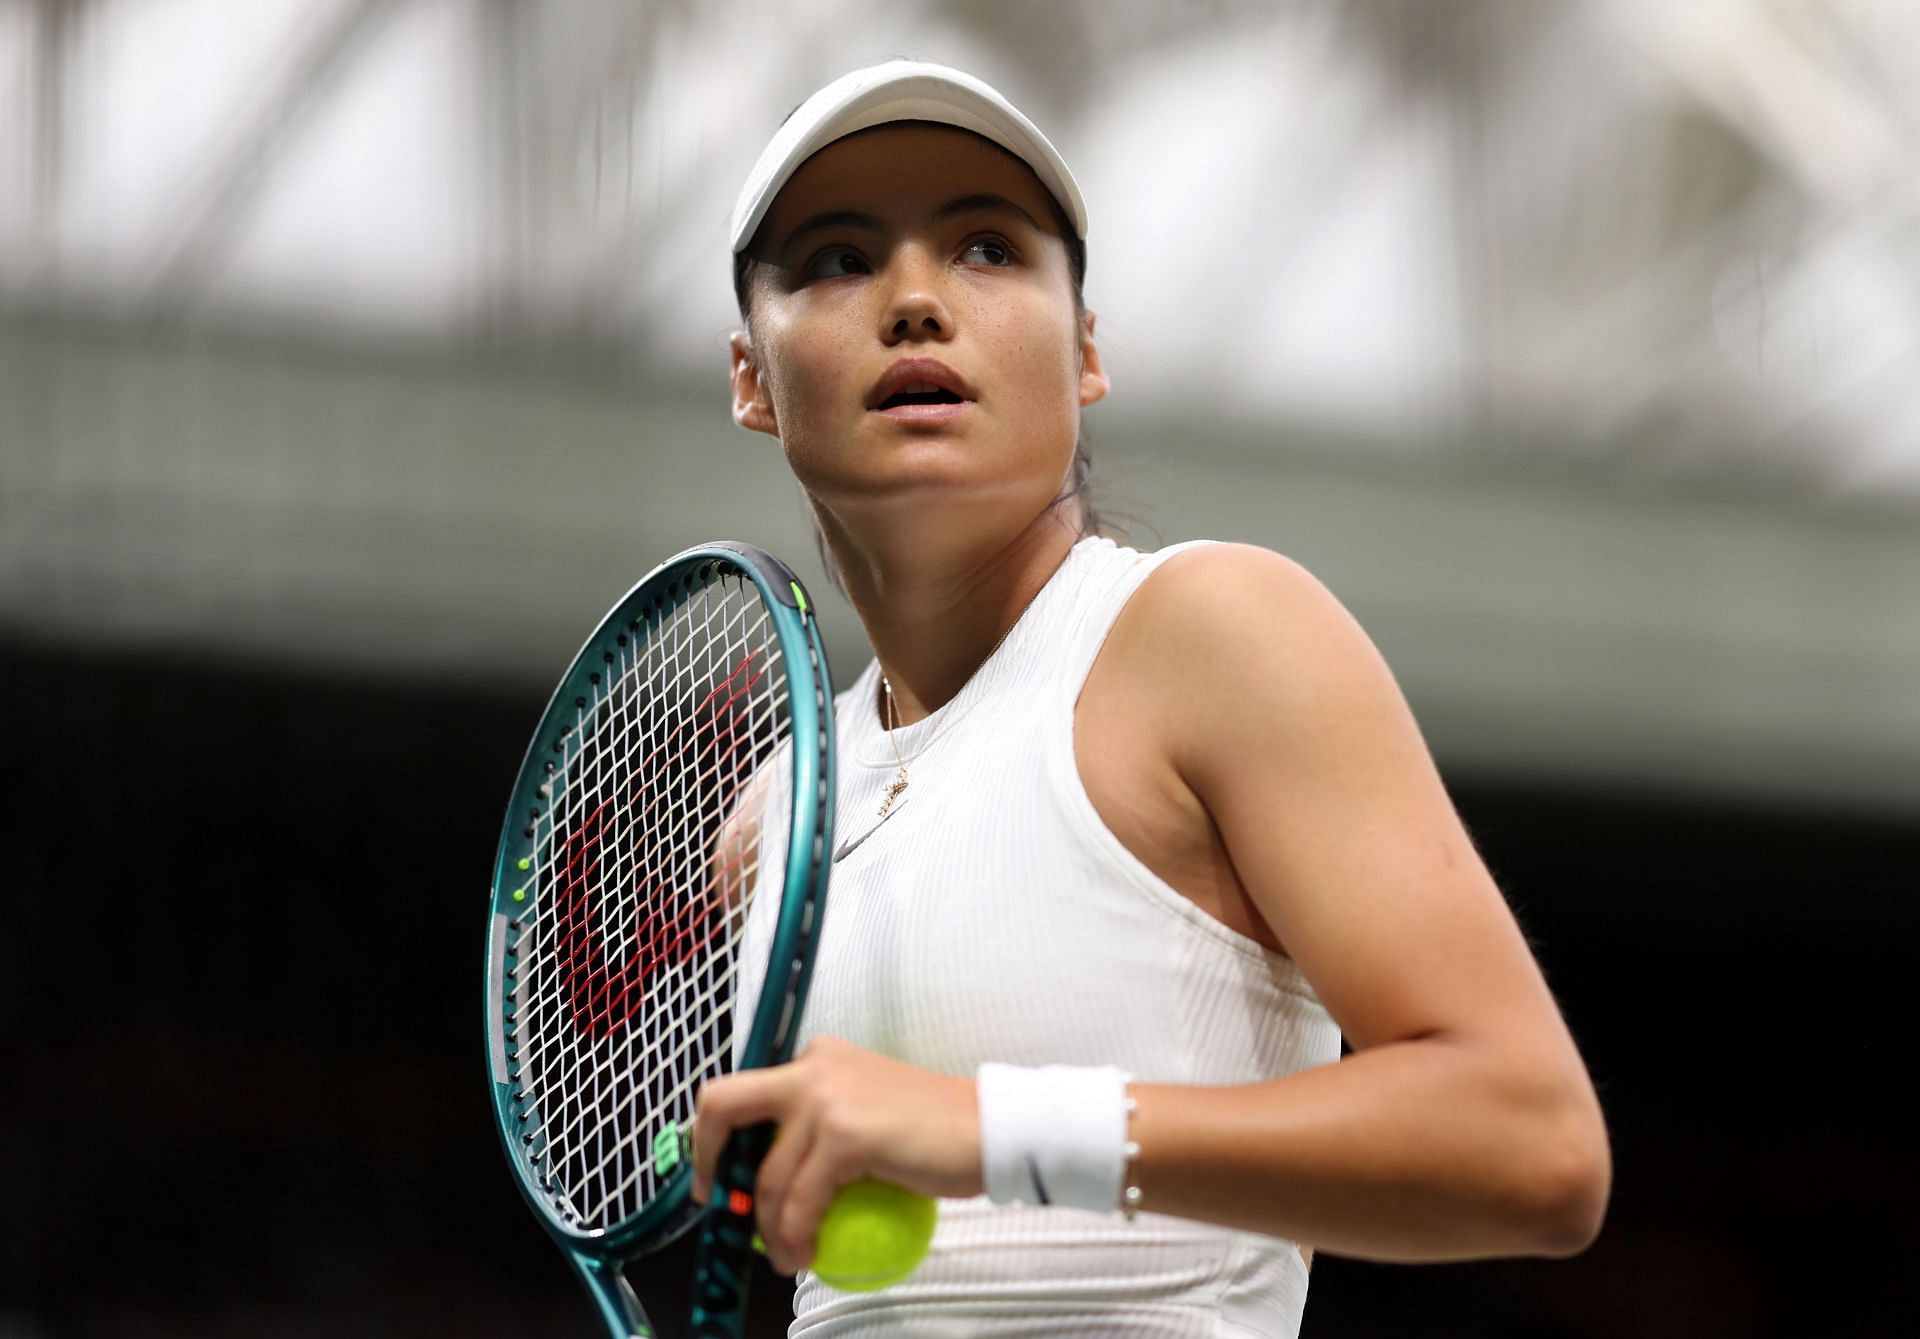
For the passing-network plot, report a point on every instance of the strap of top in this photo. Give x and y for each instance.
(1107, 583)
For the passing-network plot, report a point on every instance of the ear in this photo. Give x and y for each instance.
(1093, 377)
(752, 406)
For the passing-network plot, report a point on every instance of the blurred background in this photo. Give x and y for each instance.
(355, 355)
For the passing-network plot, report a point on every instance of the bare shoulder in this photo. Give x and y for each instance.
(1210, 572)
(1227, 592)
(1277, 711)
(1237, 628)
(1160, 705)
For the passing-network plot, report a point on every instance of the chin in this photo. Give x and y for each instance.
(937, 489)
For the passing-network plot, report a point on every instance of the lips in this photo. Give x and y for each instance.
(916, 384)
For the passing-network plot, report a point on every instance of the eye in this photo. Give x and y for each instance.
(996, 252)
(833, 263)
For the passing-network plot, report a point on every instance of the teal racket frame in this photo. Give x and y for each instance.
(725, 1251)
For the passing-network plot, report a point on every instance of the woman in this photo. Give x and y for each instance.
(1129, 840)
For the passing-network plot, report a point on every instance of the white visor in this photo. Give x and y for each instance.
(900, 90)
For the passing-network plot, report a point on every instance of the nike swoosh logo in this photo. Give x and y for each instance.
(852, 844)
(1039, 1186)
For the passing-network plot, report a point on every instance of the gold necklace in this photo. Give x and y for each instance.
(898, 786)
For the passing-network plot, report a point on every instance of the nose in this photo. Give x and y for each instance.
(916, 305)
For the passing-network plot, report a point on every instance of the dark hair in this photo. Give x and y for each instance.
(1078, 475)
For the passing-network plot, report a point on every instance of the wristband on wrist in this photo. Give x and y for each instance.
(1056, 1135)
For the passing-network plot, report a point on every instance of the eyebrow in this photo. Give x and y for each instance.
(979, 202)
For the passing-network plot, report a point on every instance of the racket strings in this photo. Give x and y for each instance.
(644, 864)
(591, 1024)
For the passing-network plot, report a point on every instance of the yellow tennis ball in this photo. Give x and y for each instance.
(874, 1235)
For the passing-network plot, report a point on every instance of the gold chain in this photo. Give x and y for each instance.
(898, 785)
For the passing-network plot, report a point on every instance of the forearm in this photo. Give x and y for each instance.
(1416, 1150)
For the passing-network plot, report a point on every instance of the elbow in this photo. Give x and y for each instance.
(1572, 1187)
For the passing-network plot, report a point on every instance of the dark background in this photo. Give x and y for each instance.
(243, 1063)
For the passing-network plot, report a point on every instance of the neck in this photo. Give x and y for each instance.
(935, 611)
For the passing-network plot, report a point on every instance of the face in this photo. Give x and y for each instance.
(917, 242)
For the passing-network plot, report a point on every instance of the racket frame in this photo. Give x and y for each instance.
(597, 1255)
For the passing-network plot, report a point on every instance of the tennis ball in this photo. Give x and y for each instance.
(874, 1235)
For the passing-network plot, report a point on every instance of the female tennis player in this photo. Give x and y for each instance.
(1127, 840)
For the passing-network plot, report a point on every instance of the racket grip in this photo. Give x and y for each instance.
(723, 1259)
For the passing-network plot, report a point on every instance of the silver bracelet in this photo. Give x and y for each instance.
(1130, 1174)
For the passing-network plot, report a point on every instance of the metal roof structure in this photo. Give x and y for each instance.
(1681, 233)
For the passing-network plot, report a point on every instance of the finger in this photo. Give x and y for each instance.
(791, 1146)
(723, 1106)
(815, 1182)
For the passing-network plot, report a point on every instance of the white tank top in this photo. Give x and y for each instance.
(993, 916)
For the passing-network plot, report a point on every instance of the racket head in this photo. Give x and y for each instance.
(577, 1036)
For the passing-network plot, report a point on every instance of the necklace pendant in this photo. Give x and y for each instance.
(894, 790)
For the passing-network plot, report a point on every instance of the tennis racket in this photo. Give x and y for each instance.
(657, 896)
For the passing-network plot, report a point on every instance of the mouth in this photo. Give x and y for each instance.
(923, 408)
(937, 395)
(920, 391)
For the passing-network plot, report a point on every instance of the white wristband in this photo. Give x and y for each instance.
(1053, 1135)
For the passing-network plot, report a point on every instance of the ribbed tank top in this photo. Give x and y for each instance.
(993, 916)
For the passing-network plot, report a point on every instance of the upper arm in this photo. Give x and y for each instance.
(1279, 714)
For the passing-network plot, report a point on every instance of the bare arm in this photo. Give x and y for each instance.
(1464, 1124)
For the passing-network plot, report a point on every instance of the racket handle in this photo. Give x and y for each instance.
(723, 1260)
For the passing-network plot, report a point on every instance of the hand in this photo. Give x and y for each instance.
(843, 1112)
